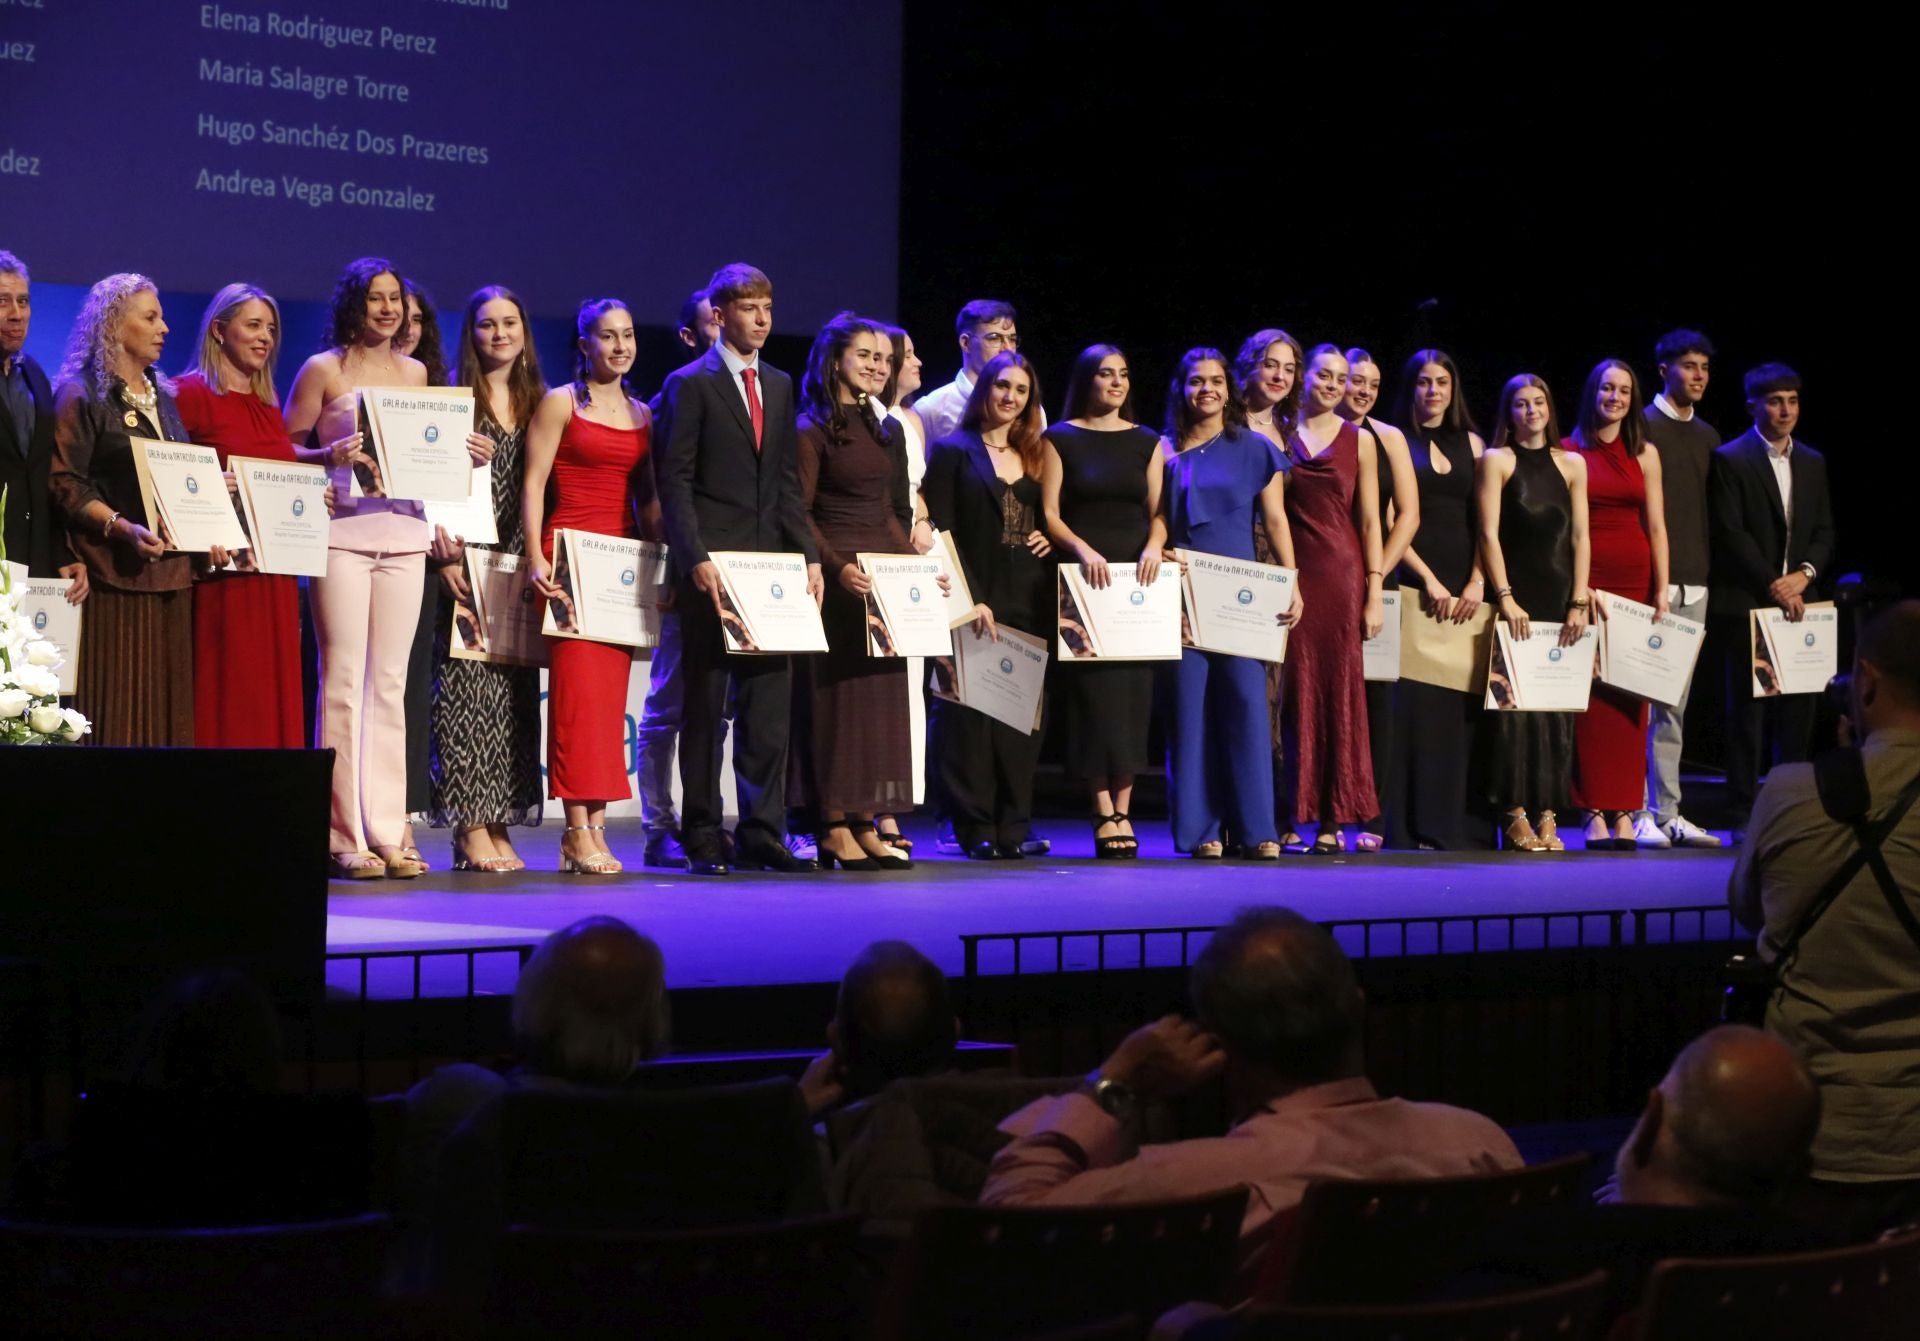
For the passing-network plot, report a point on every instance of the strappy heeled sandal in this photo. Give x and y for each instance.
(495, 865)
(1113, 846)
(1368, 842)
(408, 852)
(400, 866)
(1131, 840)
(1519, 836)
(594, 863)
(1547, 833)
(892, 837)
(890, 860)
(1213, 851)
(1267, 851)
(358, 865)
(1293, 844)
(1328, 843)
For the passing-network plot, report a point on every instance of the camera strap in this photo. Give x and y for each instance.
(1840, 776)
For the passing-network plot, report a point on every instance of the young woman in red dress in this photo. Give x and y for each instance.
(587, 470)
(1628, 530)
(246, 625)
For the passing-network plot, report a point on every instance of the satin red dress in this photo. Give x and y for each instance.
(591, 489)
(246, 626)
(1329, 761)
(1610, 737)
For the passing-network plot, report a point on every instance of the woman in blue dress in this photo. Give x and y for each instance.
(1219, 476)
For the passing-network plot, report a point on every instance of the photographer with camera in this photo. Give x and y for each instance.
(1830, 877)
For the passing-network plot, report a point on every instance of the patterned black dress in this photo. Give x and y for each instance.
(486, 718)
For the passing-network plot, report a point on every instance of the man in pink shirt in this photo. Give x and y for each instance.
(1281, 1015)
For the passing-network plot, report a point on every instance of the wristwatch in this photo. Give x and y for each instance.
(1808, 569)
(1114, 1097)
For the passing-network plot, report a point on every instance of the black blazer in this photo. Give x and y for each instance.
(1750, 527)
(716, 491)
(963, 499)
(35, 529)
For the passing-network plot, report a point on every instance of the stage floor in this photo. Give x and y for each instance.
(752, 929)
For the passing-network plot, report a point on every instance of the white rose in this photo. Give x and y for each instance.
(47, 719)
(73, 725)
(13, 702)
(40, 652)
(37, 681)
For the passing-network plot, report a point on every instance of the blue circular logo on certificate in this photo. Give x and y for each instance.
(1809, 640)
(1654, 640)
(1553, 655)
(626, 577)
(193, 485)
(299, 507)
(779, 592)
(1006, 666)
(39, 621)
(1136, 597)
(433, 433)
(913, 594)
(1245, 597)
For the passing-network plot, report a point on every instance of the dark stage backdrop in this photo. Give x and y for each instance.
(1531, 188)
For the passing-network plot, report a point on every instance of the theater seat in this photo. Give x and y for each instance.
(1565, 1312)
(1865, 1293)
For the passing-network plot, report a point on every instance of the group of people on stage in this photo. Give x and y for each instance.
(1274, 454)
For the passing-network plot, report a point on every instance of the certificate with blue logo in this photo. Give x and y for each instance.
(284, 506)
(1122, 621)
(612, 589)
(500, 619)
(45, 611)
(1537, 674)
(1795, 657)
(1234, 605)
(906, 611)
(1648, 657)
(765, 607)
(1004, 676)
(418, 436)
(184, 492)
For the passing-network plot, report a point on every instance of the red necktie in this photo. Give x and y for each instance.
(753, 408)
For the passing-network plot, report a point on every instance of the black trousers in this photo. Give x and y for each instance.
(1761, 732)
(758, 690)
(985, 769)
(1426, 791)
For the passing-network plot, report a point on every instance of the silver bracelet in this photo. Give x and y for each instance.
(106, 532)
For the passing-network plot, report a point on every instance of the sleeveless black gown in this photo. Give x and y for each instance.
(1532, 752)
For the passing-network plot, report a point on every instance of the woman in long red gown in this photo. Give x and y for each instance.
(1333, 510)
(586, 458)
(246, 625)
(1628, 529)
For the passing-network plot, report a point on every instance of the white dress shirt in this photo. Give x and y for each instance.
(1779, 457)
(940, 409)
(736, 365)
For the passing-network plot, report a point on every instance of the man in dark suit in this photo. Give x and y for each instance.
(35, 532)
(728, 480)
(1772, 521)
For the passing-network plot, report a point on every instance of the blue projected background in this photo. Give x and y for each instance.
(566, 148)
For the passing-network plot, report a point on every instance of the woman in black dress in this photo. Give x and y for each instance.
(1100, 486)
(1426, 793)
(983, 488)
(1533, 541)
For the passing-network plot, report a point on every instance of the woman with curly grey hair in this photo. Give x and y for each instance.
(136, 661)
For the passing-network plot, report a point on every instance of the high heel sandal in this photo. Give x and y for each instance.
(594, 863)
(1113, 847)
(1212, 851)
(1599, 833)
(495, 865)
(1328, 843)
(358, 865)
(892, 837)
(1547, 832)
(1267, 851)
(1131, 840)
(828, 856)
(400, 866)
(1293, 844)
(1519, 836)
(889, 860)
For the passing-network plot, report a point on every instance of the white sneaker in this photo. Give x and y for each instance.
(802, 846)
(1647, 833)
(1685, 833)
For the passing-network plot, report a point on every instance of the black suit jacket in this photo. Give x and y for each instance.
(1750, 532)
(963, 499)
(35, 529)
(716, 490)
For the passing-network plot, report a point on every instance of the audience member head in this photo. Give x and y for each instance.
(848, 360)
(591, 1004)
(699, 322)
(1100, 384)
(1202, 387)
(604, 345)
(1683, 358)
(1773, 399)
(743, 297)
(494, 334)
(1280, 995)
(1007, 394)
(1886, 671)
(986, 329)
(16, 304)
(1363, 384)
(239, 337)
(369, 304)
(419, 335)
(1526, 412)
(1266, 375)
(211, 1032)
(906, 364)
(1731, 1123)
(1430, 394)
(119, 333)
(1610, 399)
(894, 1019)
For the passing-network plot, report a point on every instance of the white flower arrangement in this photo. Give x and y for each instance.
(30, 711)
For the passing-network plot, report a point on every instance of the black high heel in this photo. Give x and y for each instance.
(827, 856)
(1114, 847)
(893, 838)
(876, 860)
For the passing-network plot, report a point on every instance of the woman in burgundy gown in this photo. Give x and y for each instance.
(586, 458)
(1627, 524)
(856, 751)
(246, 625)
(1333, 511)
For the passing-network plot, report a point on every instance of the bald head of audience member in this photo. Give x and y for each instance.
(894, 1019)
(1730, 1124)
(1886, 672)
(591, 1004)
(1281, 997)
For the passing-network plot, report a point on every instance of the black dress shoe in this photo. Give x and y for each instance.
(706, 855)
(663, 849)
(984, 850)
(1015, 851)
(763, 854)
